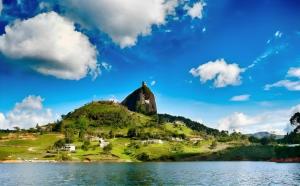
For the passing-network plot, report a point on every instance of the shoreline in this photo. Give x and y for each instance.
(274, 160)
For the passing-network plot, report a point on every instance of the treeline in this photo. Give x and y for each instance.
(162, 118)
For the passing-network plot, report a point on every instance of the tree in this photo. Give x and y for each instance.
(17, 129)
(111, 134)
(265, 140)
(85, 145)
(59, 144)
(295, 120)
(132, 132)
(143, 156)
(69, 135)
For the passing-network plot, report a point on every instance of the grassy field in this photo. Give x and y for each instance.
(29, 146)
(35, 146)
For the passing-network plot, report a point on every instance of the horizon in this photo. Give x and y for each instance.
(230, 65)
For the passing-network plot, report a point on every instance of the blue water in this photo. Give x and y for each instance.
(182, 173)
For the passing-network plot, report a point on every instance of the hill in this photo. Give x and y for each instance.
(108, 131)
(103, 117)
(260, 135)
(132, 131)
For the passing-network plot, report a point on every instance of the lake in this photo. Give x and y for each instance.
(154, 173)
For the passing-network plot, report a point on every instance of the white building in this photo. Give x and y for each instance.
(69, 147)
(103, 143)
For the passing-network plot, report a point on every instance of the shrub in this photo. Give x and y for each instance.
(85, 145)
(64, 157)
(177, 147)
(213, 145)
(59, 144)
(107, 148)
(143, 157)
(132, 132)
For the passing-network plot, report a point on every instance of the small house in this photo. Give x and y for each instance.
(103, 143)
(69, 147)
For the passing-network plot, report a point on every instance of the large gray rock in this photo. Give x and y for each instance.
(141, 100)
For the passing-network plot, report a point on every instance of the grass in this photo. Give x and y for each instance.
(34, 147)
(119, 146)
(178, 128)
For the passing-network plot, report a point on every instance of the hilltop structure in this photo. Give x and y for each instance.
(141, 100)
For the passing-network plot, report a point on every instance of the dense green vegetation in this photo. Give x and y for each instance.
(132, 136)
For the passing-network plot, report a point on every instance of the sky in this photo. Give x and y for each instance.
(230, 64)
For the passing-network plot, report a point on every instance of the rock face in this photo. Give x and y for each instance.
(141, 100)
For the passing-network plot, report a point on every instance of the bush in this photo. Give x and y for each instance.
(143, 157)
(177, 147)
(287, 152)
(64, 157)
(265, 141)
(85, 145)
(213, 145)
(107, 148)
(132, 132)
(59, 144)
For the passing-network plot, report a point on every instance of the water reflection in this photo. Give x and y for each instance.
(185, 173)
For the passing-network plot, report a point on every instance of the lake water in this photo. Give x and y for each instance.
(181, 173)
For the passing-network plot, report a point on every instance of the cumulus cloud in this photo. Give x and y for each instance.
(49, 44)
(244, 97)
(292, 85)
(275, 121)
(294, 72)
(236, 121)
(122, 20)
(26, 114)
(196, 11)
(222, 73)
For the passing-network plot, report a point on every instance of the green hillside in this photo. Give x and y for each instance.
(130, 136)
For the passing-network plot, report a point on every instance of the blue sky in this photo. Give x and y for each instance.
(233, 65)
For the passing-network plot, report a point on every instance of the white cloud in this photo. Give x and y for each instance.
(1, 6)
(196, 11)
(276, 121)
(292, 85)
(294, 72)
(153, 83)
(122, 20)
(278, 34)
(27, 114)
(236, 121)
(269, 52)
(49, 44)
(244, 97)
(220, 71)
(106, 66)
